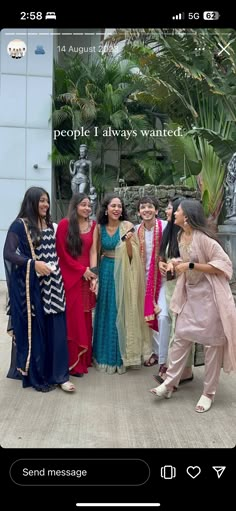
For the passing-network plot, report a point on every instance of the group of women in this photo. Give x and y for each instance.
(56, 276)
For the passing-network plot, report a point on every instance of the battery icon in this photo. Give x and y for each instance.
(211, 15)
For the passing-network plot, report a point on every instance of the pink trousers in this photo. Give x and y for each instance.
(177, 361)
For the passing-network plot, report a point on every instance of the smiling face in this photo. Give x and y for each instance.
(180, 217)
(43, 205)
(114, 209)
(84, 208)
(169, 211)
(147, 211)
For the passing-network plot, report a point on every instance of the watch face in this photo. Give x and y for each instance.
(191, 266)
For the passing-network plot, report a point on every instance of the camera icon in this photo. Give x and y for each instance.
(168, 472)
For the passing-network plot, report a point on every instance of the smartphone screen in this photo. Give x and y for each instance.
(143, 111)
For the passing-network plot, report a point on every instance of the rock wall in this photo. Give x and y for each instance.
(132, 194)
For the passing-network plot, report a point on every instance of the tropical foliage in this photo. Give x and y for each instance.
(158, 79)
(198, 90)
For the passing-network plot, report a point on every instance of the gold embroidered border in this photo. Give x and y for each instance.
(81, 353)
(149, 318)
(28, 301)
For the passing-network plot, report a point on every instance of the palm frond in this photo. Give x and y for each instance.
(223, 147)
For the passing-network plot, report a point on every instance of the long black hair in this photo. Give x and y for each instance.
(73, 240)
(30, 212)
(169, 237)
(194, 212)
(102, 218)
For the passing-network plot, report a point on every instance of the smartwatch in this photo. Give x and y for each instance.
(191, 266)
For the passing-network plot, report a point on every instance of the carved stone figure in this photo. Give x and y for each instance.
(230, 191)
(81, 172)
(94, 202)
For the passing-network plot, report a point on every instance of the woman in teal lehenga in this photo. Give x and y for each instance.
(106, 349)
(121, 338)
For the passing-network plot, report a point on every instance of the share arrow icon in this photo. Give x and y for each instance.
(219, 471)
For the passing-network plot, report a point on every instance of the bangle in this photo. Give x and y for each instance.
(94, 270)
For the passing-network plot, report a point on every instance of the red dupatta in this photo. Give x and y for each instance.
(153, 283)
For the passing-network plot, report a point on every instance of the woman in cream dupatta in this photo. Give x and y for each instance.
(133, 332)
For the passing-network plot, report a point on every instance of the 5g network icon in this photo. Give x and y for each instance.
(168, 472)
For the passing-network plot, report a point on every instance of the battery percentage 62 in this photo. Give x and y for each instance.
(211, 15)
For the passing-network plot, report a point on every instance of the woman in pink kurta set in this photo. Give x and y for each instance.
(203, 302)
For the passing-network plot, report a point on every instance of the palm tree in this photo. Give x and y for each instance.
(195, 91)
(96, 96)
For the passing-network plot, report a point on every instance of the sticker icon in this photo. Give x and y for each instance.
(39, 50)
(16, 49)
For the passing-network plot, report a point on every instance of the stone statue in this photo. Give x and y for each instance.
(230, 191)
(81, 172)
(94, 202)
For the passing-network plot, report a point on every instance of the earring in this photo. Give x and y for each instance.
(105, 212)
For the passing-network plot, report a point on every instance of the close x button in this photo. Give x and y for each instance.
(80, 472)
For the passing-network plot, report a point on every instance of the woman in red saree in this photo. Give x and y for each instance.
(74, 243)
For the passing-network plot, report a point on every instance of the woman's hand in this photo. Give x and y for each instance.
(176, 260)
(162, 268)
(181, 268)
(88, 274)
(94, 285)
(128, 236)
(170, 267)
(42, 268)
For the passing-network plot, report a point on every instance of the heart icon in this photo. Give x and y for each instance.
(193, 471)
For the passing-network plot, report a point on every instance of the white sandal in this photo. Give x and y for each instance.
(68, 386)
(162, 391)
(204, 403)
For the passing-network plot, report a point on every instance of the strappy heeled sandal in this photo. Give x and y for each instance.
(153, 360)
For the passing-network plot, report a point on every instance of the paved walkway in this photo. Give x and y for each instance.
(111, 410)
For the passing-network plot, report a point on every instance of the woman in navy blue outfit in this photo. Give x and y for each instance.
(36, 296)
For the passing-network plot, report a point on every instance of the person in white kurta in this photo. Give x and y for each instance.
(148, 210)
